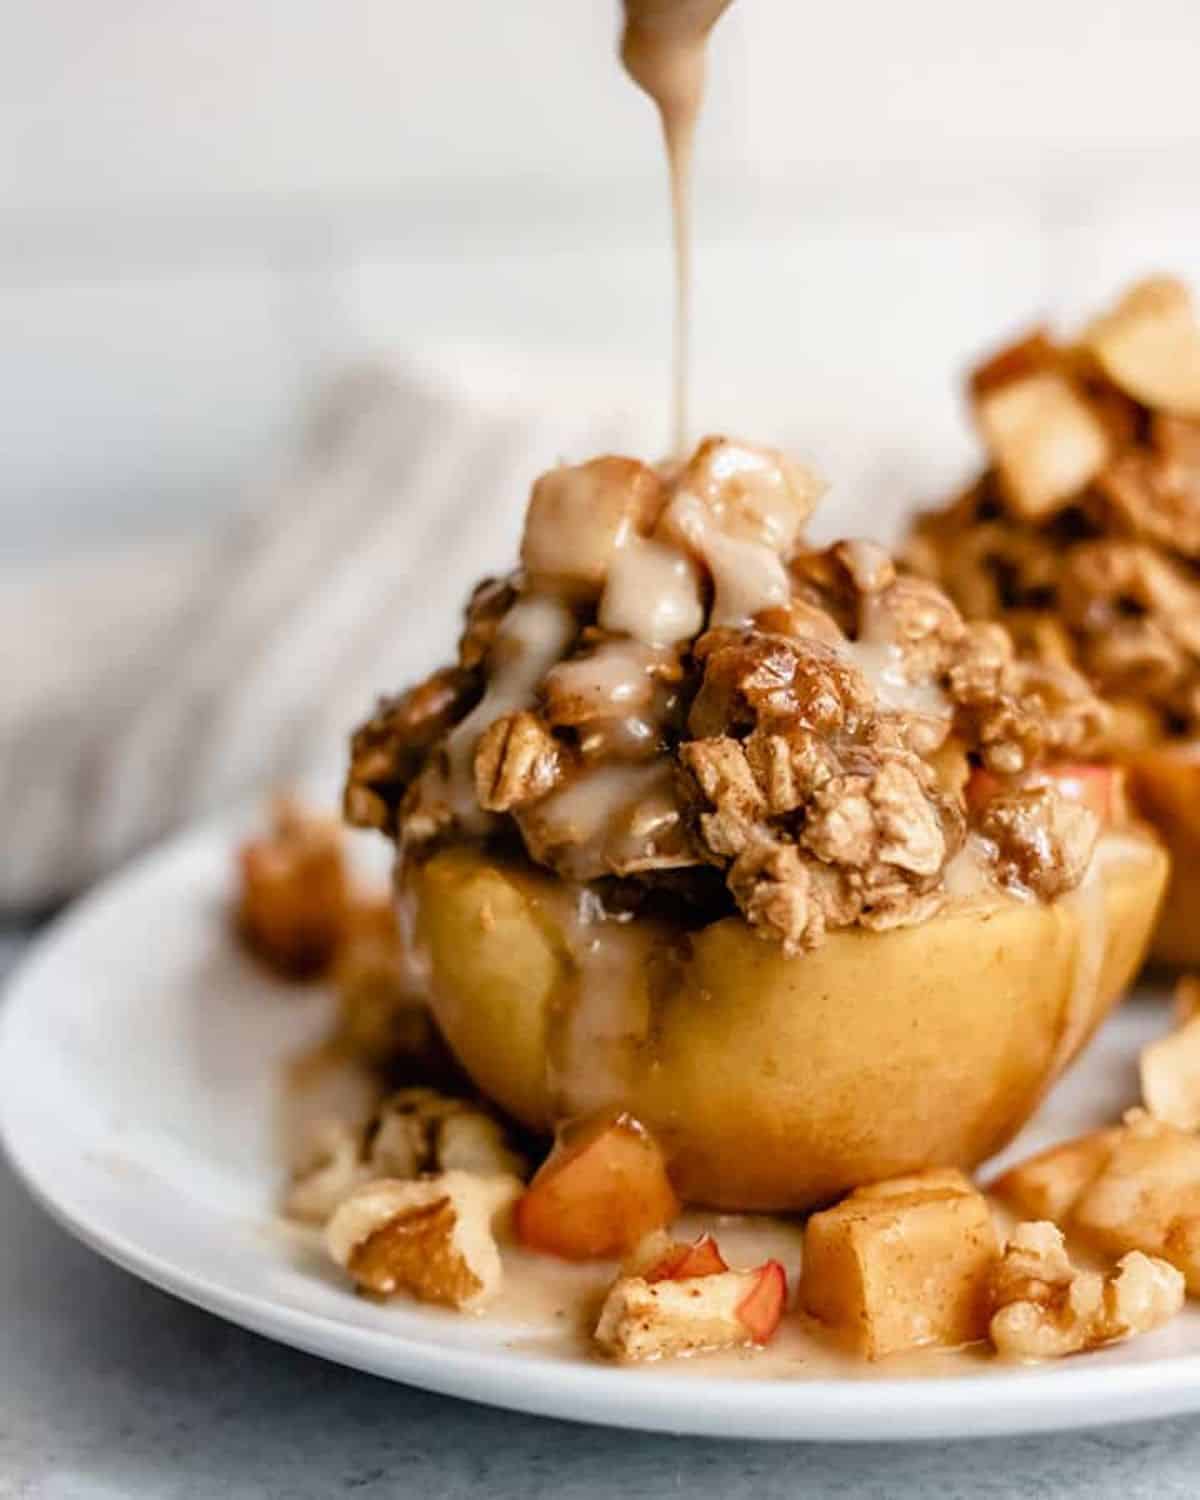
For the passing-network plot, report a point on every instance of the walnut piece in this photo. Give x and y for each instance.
(419, 1130)
(517, 760)
(414, 1132)
(434, 1238)
(1044, 1307)
(329, 1169)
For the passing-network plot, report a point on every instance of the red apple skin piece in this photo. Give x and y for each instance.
(1102, 788)
(683, 1262)
(599, 1192)
(761, 1309)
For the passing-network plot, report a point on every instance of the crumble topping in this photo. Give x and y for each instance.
(676, 686)
(1083, 534)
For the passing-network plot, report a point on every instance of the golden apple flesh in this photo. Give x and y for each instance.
(1164, 784)
(778, 1083)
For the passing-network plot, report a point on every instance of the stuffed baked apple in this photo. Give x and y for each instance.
(1083, 537)
(758, 849)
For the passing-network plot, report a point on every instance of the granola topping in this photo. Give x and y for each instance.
(679, 702)
(1083, 535)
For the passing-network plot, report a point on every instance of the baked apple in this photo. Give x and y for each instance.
(1083, 537)
(776, 887)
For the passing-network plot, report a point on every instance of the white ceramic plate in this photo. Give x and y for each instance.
(138, 1059)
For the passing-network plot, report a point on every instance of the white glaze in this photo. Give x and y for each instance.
(663, 49)
(652, 593)
(619, 813)
(747, 576)
(533, 635)
(609, 680)
(882, 663)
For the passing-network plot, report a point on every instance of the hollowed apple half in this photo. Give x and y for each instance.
(1165, 786)
(777, 1083)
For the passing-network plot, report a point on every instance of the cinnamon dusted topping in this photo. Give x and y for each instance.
(797, 722)
(517, 760)
(1099, 569)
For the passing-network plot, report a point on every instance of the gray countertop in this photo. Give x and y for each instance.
(110, 1390)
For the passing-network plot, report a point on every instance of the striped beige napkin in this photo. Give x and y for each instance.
(145, 688)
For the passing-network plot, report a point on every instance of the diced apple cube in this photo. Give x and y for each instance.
(1149, 346)
(1146, 1196)
(755, 494)
(602, 1189)
(580, 516)
(1046, 441)
(1047, 1186)
(1170, 1069)
(900, 1265)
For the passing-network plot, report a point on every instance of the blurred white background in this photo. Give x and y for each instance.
(210, 205)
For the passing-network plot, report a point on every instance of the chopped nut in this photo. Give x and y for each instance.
(1045, 1308)
(1048, 1185)
(902, 1264)
(517, 760)
(418, 1130)
(329, 1170)
(434, 1238)
(1046, 442)
(413, 1132)
(641, 1320)
(389, 750)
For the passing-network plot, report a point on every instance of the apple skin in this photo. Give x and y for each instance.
(1164, 785)
(778, 1083)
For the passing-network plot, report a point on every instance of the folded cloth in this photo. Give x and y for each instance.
(151, 686)
(148, 687)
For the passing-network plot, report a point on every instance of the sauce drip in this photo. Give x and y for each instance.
(533, 635)
(663, 49)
